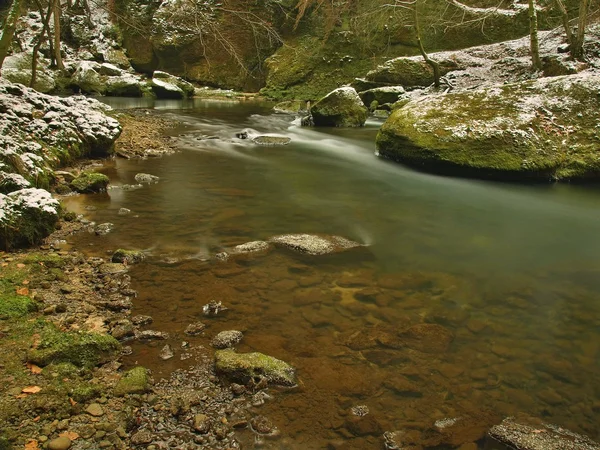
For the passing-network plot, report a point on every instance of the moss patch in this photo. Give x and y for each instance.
(82, 349)
(252, 366)
(88, 182)
(134, 381)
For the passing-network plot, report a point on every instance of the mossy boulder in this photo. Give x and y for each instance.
(15, 306)
(128, 256)
(340, 108)
(26, 217)
(88, 182)
(165, 85)
(43, 82)
(134, 381)
(408, 71)
(82, 349)
(244, 367)
(542, 129)
(87, 79)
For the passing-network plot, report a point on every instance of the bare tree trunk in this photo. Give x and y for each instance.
(8, 30)
(564, 16)
(433, 64)
(56, 14)
(577, 50)
(38, 44)
(533, 37)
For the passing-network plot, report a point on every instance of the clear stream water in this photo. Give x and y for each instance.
(513, 271)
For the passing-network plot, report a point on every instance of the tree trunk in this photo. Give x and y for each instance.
(564, 17)
(8, 30)
(433, 64)
(56, 14)
(533, 37)
(577, 50)
(40, 39)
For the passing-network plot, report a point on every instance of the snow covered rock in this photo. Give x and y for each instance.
(166, 85)
(87, 78)
(340, 108)
(26, 217)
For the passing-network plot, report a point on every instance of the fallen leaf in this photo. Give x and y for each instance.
(20, 265)
(4, 264)
(37, 419)
(23, 291)
(69, 434)
(34, 369)
(31, 389)
(32, 444)
(25, 282)
(21, 395)
(73, 402)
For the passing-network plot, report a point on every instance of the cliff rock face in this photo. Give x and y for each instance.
(213, 43)
(237, 44)
(538, 130)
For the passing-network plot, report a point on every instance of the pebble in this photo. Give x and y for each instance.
(166, 352)
(201, 423)
(227, 339)
(194, 329)
(60, 443)
(95, 410)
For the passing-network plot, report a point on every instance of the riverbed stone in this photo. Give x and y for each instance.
(90, 182)
(194, 329)
(526, 433)
(59, 443)
(95, 410)
(512, 131)
(146, 178)
(314, 244)
(340, 108)
(271, 141)
(134, 381)
(244, 367)
(427, 338)
(226, 339)
(128, 256)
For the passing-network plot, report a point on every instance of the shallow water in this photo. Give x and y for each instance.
(511, 270)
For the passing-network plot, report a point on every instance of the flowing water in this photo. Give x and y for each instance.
(512, 271)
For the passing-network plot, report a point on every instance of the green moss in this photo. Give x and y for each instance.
(134, 381)
(15, 306)
(250, 366)
(88, 182)
(82, 349)
(128, 256)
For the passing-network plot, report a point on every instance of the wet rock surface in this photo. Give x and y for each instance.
(313, 244)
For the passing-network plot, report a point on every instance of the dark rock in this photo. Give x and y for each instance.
(194, 329)
(141, 320)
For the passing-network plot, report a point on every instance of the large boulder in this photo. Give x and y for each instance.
(166, 85)
(17, 68)
(245, 367)
(340, 108)
(408, 71)
(541, 129)
(125, 85)
(26, 217)
(382, 95)
(86, 78)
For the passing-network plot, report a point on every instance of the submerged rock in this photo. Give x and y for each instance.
(340, 108)
(246, 367)
(531, 434)
(313, 244)
(427, 338)
(146, 178)
(226, 339)
(251, 247)
(537, 129)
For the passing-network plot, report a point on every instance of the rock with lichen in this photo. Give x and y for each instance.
(340, 108)
(246, 367)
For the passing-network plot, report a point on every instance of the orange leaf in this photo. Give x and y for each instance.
(34, 369)
(32, 445)
(21, 396)
(31, 389)
(4, 264)
(23, 291)
(25, 282)
(69, 434)
(36, 340)
(73, 402)
(37, 419)
(20, 265)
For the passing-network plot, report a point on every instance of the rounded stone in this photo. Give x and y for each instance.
(60, 443)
